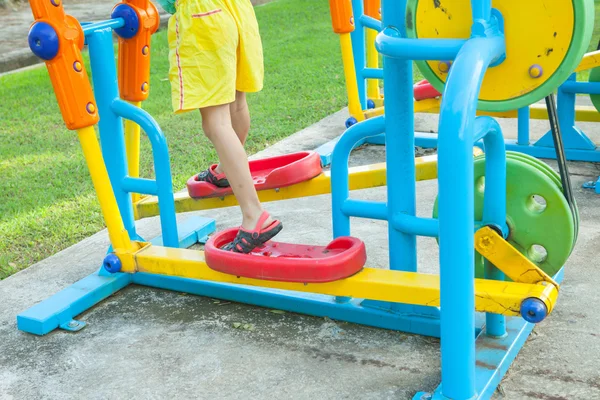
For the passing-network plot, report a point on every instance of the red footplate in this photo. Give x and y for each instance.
(423, 90)
(267, 173)
(285, 262)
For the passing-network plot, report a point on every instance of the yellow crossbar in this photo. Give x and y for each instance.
(497, 297)
(363, 177)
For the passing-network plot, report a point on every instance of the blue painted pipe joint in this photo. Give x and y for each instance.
(112, 263)
(351, 121)
(533, 310)
(130, 18)
(43, 41)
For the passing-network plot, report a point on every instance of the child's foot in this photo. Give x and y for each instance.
(213, 177)
(246, 240)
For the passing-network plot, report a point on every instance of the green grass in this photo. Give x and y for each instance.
(47, 202)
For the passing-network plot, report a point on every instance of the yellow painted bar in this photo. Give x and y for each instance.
(372, 62)
(508, 259)
(350, 74)
(119, 237)
(363, 177)
(589, 61)
(132, 146)
(497, 297)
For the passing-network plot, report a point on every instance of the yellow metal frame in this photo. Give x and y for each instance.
(363, 177)
(350, 75)
(132, 147)
(498, 297)
(372, 62)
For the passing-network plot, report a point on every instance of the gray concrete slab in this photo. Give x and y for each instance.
(153, 344)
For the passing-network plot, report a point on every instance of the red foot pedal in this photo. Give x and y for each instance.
(267, 173)
(285, 262)
(423, 90)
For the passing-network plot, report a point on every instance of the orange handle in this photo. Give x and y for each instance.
(373, 9)
(134, 52)
(341, 16)
(58, 38)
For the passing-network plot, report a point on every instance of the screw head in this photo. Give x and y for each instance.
(91, 108)
(145, 87)
(444, 66)
(73, 324)
(145, 50)
(77, 66)
(536, 71)
(55, 3)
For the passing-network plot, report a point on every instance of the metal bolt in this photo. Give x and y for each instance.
(444, 66)
(536, 71)
(426, 396)
(73, 324)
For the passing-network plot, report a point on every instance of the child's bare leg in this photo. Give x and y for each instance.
(217, 125)
(240, 120)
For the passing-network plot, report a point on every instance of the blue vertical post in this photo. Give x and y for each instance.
(456, 213)
(359, 51)
(566, 102)
(494, 202)
(400, 150)
(112, 138)
(523, 126)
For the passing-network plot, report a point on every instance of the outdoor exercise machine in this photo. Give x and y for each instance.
(360, 41)
(487, 215)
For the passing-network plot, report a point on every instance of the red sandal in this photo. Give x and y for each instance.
(246, 241)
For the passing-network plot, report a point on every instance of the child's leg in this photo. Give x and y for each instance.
(240, 120)
(218, 127)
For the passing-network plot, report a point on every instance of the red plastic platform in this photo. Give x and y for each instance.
(285, 262)
(423, 90)
(267, 173)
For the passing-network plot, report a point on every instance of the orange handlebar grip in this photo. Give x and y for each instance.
(341, 16)
(141, 21)
(58, 38)
(373, 9)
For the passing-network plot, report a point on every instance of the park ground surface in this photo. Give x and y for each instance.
(144, 343)
(153, 344)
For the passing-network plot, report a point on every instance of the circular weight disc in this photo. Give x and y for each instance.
(595, 77)
(552, 175)
(552, 35)
(530, 224)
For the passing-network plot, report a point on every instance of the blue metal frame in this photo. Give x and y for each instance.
(473, 359)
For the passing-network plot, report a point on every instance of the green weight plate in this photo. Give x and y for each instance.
(552, 174)
(534, 229)
(595, 77)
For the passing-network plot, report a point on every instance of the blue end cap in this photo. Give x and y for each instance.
(370, 104)
(43, 41)
(351, 121)
(112, 263)
(533, 310)
(130, 17)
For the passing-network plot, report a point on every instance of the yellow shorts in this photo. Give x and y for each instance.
(214, 50)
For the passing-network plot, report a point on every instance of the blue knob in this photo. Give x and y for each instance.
(43, 41)
(112, 263)
(370, 104)
(533, 310)
(132, 22)
(351, 121)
